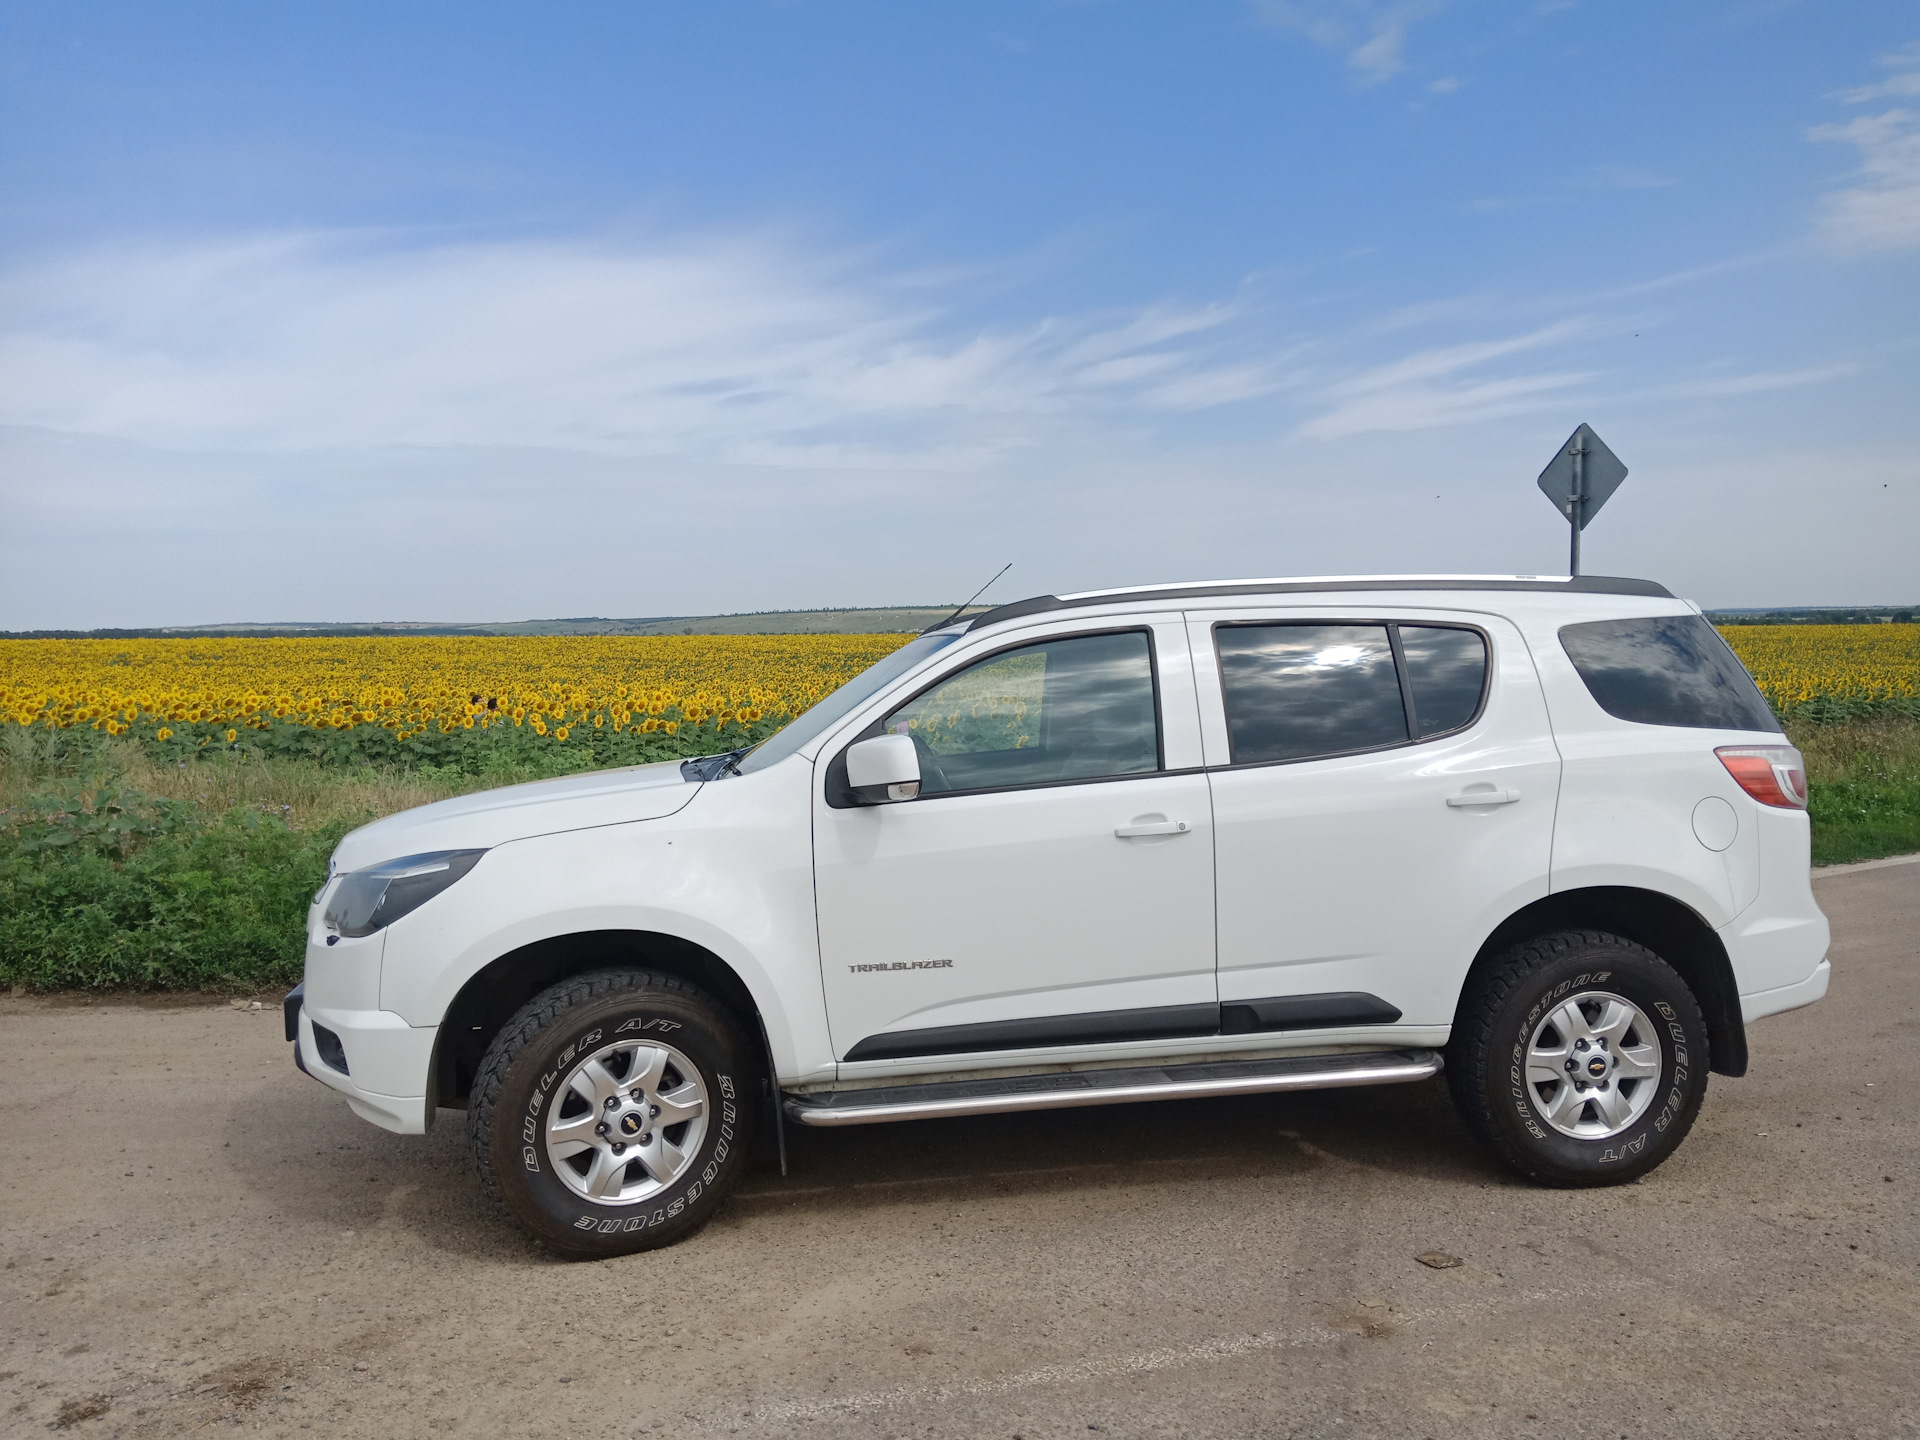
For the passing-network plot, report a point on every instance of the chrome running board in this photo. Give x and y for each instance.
(1111, 1087)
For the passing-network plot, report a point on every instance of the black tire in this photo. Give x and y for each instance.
(1511, 1002)
(522, 1087)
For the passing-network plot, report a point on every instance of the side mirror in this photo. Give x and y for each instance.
(883, 769)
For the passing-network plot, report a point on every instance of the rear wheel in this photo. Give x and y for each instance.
(1580, 1058)
(613, 1112)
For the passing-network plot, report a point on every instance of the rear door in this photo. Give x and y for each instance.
(1052, 886)
(1384, 787)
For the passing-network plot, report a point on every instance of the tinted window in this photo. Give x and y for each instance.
(1674, 670)
(1446, 671)
(1297, 691)
(1073, 709)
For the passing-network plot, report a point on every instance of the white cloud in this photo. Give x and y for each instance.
(1516, 375)
(1372, 36)
(1445, 386)
(712, 349)
(506, 429)
(1380, 57)
(716, 347)
(1882, 210)
(1905, 81)
(1593, 177)
(1762, 381)
(1896, 86)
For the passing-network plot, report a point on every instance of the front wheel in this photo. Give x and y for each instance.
(1579, 1058)
(613, 1113)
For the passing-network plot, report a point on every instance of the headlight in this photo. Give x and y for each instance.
(367, 900)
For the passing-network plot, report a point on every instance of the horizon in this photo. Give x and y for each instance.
(295, 629)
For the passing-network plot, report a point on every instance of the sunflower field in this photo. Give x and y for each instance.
(167, 806)
(1832, 672)
(560, 702)
(615, 700)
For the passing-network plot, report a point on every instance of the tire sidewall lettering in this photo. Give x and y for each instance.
(664, 1027)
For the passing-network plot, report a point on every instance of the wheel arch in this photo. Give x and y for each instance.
(493, 993)
(1672, 930)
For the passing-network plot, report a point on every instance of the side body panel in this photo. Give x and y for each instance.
(1354, 872)
(1649, 806)
(1628, 792)
(1015, 904)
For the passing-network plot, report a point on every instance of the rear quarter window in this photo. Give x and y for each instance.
(1668, 670)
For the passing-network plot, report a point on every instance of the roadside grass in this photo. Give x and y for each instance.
(307, 795)
(1864, 786)
(120, 871)
(123, 870)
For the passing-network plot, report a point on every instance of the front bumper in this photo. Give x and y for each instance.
(387, 1061)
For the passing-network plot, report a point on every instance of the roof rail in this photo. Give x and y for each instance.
(1577, 585)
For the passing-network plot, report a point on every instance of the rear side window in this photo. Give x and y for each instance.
(1446, 674)
(1670, 670)
(1297, 691)
(1304, 691)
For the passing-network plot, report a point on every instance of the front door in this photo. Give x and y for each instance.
(1384, 795)
(1052, 886)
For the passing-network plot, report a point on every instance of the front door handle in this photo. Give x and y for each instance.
(1152, 827)
(1483, 797)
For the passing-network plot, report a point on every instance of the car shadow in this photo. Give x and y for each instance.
(1402, 1130)
(328, 1169)
(325, 1169)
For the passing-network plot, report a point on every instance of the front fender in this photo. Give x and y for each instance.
(733, 875)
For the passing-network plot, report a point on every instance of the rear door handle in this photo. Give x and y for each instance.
(1483, 797)
(1156, 827)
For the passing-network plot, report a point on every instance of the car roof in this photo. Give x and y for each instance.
(1327, 584)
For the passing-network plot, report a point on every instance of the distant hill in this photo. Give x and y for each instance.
(1819, 615)
(888, 620)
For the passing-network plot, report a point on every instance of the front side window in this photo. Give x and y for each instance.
(1078, 708)
(1298, 691)
(1669, 670)
(875, 677)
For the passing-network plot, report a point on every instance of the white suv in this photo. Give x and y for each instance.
(1187, 840)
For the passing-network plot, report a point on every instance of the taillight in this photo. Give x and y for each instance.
(1771, 774)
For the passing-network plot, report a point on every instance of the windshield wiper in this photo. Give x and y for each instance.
(712, 767)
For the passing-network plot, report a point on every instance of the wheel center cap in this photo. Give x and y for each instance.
(630, 1123)
(1597, 1067)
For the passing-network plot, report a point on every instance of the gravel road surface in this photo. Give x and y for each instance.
(199, 1240)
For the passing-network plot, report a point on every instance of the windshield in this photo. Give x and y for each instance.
(862, 687)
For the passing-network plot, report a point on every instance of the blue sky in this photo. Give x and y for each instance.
(376, 311)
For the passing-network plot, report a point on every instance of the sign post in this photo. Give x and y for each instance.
(1579, 481)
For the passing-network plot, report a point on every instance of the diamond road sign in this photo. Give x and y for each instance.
(1602, 475)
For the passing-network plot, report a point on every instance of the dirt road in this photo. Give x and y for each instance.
(199, 1240)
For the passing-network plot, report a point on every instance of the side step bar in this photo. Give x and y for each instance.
(1111, 1087)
